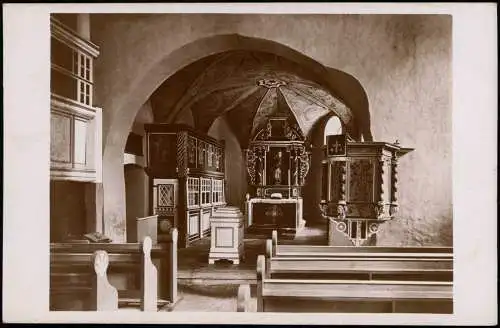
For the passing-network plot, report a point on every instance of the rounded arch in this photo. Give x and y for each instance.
(123, 113)
(122, 103)
(333, 126)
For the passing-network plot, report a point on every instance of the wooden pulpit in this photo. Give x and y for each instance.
(359, 185)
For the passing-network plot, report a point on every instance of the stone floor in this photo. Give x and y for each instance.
(213, 288)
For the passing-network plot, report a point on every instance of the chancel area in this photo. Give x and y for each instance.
(251, 163)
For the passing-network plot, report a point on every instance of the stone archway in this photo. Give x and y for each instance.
(120, 109)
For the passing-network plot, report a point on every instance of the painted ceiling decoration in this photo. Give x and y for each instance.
(249, 87)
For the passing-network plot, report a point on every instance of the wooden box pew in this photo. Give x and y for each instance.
(370, 263)
(344, 296)
(71, 268)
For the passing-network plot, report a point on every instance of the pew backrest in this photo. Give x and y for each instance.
(359, 265)
(274, 249)
(277, 293)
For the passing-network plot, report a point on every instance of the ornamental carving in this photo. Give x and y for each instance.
(292, 132)
(379, 210)
(393, 209)
(341, 211)
(304, 166)
(373, 228)
(361, 180)
(191, 151)
(341, 226)
(360, 210)
(251, 157)
(101, 262)
(271, 83)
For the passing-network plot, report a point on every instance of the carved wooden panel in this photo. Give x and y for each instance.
(80, 142)
(162, 153)
(360, 210)
(60, 141)
(335, 181)
(194, 224)
(282, 215)
(361, 180)
(191, 152)
(201, 154)
(205, 220)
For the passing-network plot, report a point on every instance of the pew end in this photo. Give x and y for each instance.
(104, 295)
(261, 275)
(274, 238)
(243, 299)
(149, 278)
(269, 249)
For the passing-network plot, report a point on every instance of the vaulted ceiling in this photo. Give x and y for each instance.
(247, 88)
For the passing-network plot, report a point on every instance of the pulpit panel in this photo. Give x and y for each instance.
(361, 178)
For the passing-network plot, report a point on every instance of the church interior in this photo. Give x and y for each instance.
(239, 162)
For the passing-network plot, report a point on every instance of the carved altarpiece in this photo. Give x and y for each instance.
(277, 162)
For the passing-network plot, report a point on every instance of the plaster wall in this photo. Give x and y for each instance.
(403, 62)
(236, 184)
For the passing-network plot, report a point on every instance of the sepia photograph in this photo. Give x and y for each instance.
(250, 162)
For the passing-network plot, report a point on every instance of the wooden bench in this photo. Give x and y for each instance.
(369, 263)
(135, 270)
(362, 296)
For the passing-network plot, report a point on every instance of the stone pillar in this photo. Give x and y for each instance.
(114, 196)
(94, 205)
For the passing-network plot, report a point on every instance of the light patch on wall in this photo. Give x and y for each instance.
(333, 126)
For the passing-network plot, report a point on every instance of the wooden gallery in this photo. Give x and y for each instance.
(241, 162)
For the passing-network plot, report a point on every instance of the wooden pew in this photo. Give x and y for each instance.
(298, 250)
(135, 270)
(371, 263)
(362, 296)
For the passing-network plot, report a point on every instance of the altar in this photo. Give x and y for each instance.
(284, 215)
(277, 161)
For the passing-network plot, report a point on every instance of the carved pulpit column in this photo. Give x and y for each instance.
(360, 185)
(394, 191)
